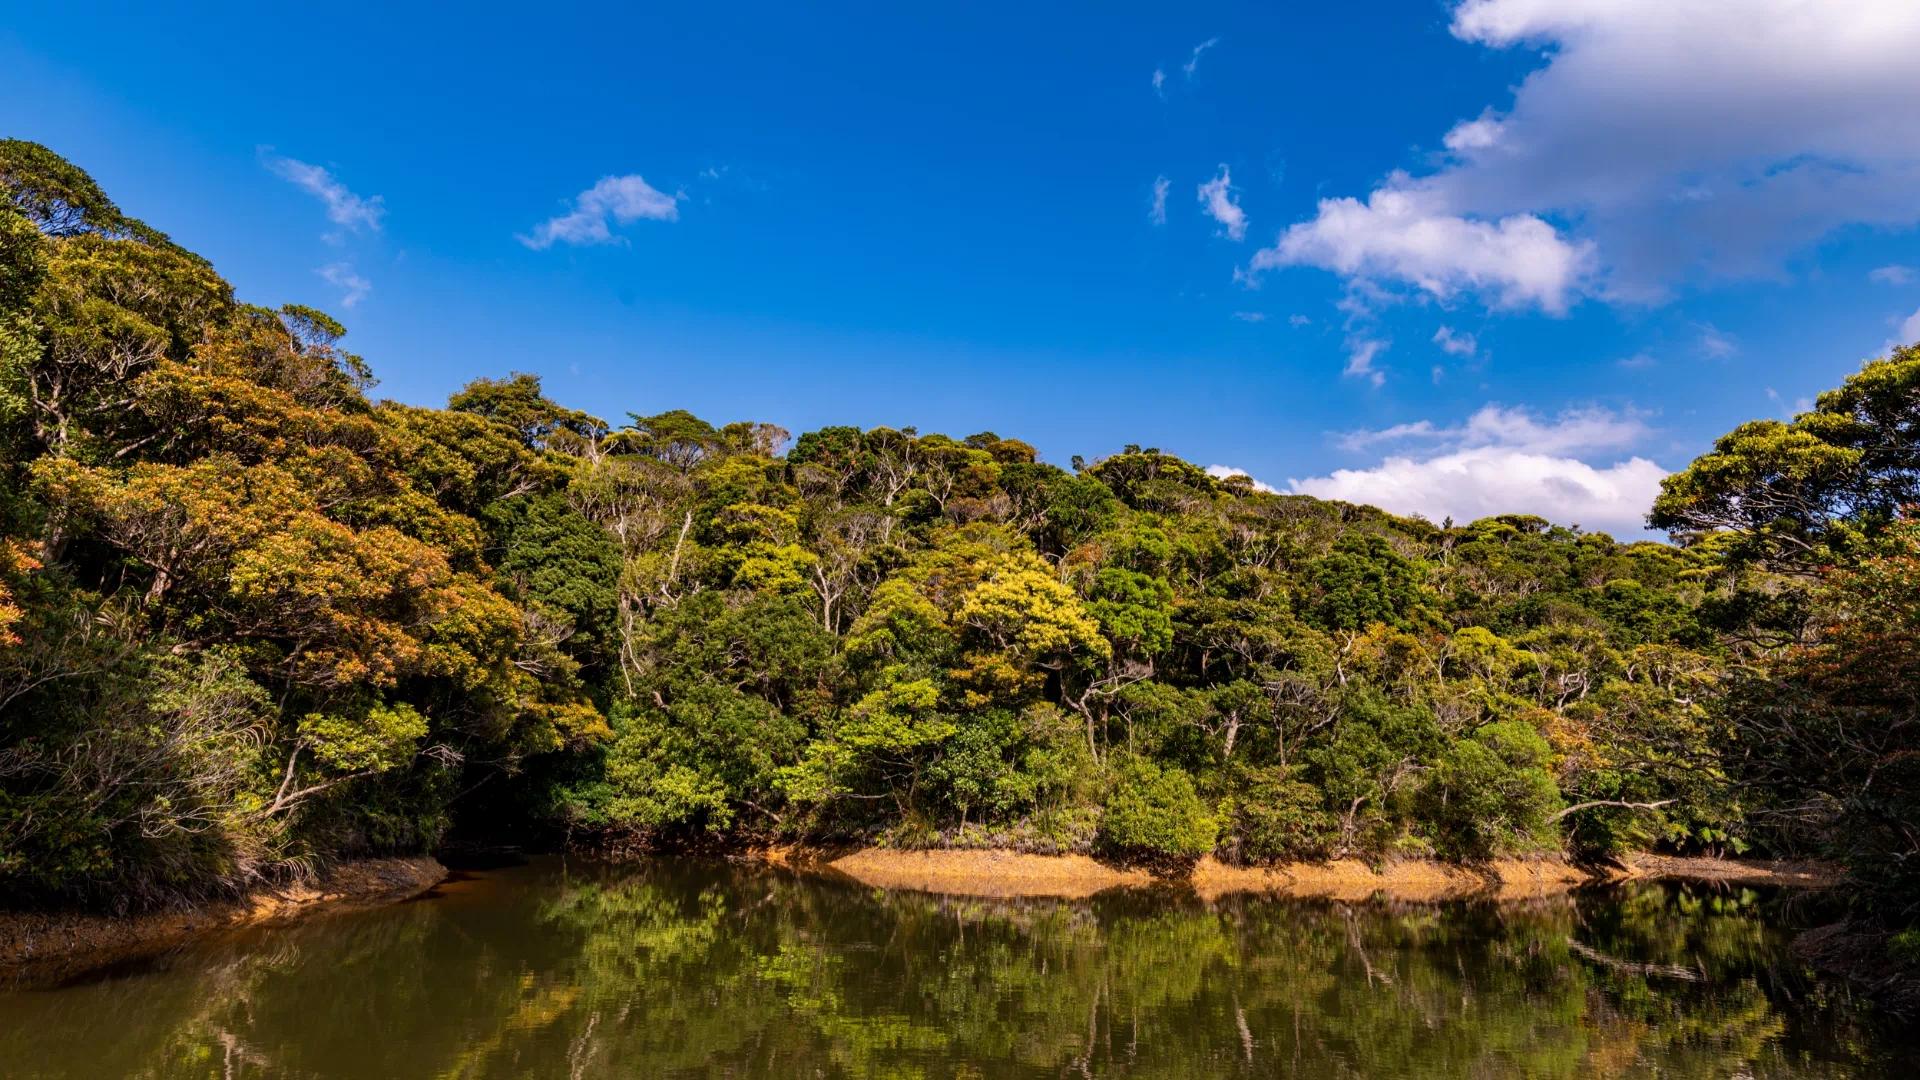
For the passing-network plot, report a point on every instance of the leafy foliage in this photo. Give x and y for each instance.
(251, 618)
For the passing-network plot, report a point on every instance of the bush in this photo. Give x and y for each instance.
(1279, 819)
(1156, 812)
(1491, 795)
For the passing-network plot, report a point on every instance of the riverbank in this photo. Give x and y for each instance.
(39, 946)
(999, 873)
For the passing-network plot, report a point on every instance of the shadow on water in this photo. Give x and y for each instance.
(691, 968)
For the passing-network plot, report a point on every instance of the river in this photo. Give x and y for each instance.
(571, 969)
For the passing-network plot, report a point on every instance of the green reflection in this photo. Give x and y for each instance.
(709, 969)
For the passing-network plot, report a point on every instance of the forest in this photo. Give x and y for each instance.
(254, 620)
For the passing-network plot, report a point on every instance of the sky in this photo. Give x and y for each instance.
(1451, 258)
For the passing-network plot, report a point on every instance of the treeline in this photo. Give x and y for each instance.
(255, 618)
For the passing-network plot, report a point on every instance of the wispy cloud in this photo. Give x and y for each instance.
(1361, 352)
(342, 276)
(344, 208)
(1299, 320)
(1891, 275)
(1800, 404)
(1591, 428)
(1160, 81)
(1453, 343)
(1216, 196)
(1716, 344)
(1158, 215)
(1194, 62)
(1639, 360)
(1909, 331)
(1250, 316)
(623, 199)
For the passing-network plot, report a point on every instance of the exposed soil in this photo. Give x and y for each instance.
(1804, 873)
(42, 946)
(1009, 874)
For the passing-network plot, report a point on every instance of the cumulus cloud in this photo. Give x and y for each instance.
(1668, 139)
(1399, 234)
(1471, 484)
(1158, 215)
(1455, 344)
(1891, 275)
(1503, 461)
(623, 199)
(1194, 62)
(344, 208)
(343, 277)
(1221, 472)
(1216, 197)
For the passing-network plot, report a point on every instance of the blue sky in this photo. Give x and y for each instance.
(1503, 254)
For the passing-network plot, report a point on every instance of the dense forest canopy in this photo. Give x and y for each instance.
(255, 618)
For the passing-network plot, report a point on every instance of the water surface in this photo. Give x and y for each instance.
(711, 969)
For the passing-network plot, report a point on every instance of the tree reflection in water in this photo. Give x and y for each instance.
(712, 969)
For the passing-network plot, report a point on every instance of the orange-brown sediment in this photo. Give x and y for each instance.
(1012, 874)
(37, 946)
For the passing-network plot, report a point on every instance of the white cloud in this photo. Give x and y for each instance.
(1398, 234)
(1591, 428)
(1455, 344)
(1221, 472)
(1909, 331)
(1469, 484)
(1193, 63)
(344, 208)
(1716, 344)
(1505, 461)
(625, 199)
(342, 276)
(1299, 320)
(1891, 275)
(1639, 360)
(1360, 354)
(1158, 215)
(1216, 196)
(1672, 139)
(1250, 316)
(1160, 82)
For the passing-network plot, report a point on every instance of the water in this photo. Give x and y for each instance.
(710, 969)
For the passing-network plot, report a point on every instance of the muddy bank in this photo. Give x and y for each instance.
(38, 947)
(1801, 874)
(1014, 874)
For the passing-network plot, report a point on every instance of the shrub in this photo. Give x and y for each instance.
(1156, 812)
(1491, 795)
(1279, 818)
